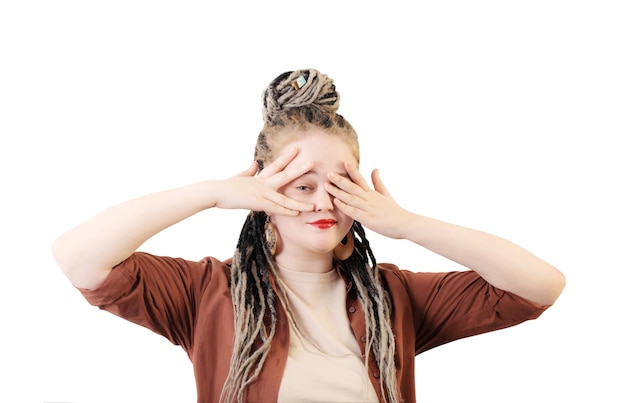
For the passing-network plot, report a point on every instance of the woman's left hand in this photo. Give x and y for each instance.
(374, 208)
(502, 263)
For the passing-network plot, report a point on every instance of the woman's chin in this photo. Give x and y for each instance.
(325, 251)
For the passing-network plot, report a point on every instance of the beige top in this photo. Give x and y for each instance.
(324, 362)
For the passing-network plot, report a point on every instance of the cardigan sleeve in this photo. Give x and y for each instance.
(156, 292)
(447, 306)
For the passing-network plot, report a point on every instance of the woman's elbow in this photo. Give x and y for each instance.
(552, 287)
(60, 253)
(77, 271)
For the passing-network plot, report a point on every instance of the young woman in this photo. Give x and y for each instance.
(303, 309)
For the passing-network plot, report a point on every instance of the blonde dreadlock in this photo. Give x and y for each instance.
(301, 99)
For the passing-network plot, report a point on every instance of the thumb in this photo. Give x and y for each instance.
(250, 171)
(378, 183)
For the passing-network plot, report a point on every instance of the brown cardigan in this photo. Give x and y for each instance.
(190, 304)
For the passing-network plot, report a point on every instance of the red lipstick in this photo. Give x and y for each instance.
(323, 224)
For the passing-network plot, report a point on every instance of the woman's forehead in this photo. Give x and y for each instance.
(321, 145)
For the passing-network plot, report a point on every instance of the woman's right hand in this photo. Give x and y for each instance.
(88, 252)
(258, 191)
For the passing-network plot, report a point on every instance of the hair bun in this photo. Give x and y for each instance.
(296, 89)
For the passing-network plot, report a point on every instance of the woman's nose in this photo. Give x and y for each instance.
(323, 201)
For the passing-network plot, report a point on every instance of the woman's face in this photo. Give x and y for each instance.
(317, 232)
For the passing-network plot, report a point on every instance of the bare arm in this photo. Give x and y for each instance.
(500, 262)
(89, 251)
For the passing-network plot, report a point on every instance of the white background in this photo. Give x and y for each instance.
(503, 116)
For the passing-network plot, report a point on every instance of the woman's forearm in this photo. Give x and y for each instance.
(88, 252)
(502, 263)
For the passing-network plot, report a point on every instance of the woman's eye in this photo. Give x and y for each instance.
(304, 188)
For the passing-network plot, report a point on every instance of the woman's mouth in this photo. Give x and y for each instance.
(323, 224)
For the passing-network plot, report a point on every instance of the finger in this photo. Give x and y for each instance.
(355, 175)
(378, 183)
(347, 194)
(250, 171)
(341, 187)
(347, 209)
(280, 162)
(284, 204)
(291, 172)
(280, 210)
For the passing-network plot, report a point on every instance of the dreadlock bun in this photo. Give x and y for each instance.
(298, 89)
